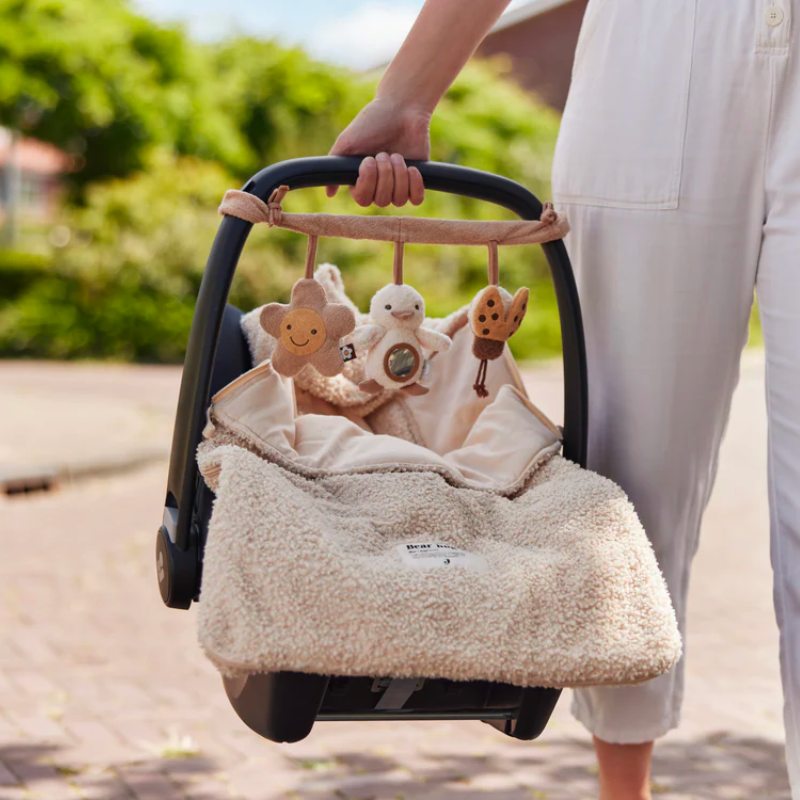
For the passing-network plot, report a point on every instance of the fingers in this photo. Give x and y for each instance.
(400, 176)
(385, 180)
(385, 187)
(364, 190)
(416, 188)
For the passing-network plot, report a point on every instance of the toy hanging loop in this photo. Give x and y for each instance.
(311, 255)
(275, 212)
(549, 215)
(494, 267)
(397, 266)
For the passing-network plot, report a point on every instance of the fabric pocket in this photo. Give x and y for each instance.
(623, 130)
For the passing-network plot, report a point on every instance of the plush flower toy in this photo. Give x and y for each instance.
(309, 329)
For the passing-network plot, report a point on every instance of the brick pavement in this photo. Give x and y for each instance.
(104, 693)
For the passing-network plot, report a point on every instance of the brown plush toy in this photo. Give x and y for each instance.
(308, 330)
(494, 317)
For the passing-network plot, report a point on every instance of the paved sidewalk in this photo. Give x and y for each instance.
(61, 419)
(104, 693)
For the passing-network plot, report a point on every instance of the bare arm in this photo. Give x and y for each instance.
(444, 36)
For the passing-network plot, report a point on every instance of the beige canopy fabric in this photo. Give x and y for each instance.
(414, 230)
(336, 551)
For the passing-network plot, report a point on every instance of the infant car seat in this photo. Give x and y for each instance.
(283, 706)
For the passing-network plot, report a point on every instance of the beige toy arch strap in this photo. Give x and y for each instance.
(416, 230)
(419, 230)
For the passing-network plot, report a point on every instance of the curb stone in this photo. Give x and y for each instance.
(21, 479)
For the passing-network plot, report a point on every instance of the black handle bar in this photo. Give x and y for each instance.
(304, 173)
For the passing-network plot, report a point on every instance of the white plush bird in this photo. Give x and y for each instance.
(394, 338)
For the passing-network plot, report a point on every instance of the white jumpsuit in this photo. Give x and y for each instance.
(678, 164)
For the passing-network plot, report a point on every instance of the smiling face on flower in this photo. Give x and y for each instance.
(308, 330)
(303, 331)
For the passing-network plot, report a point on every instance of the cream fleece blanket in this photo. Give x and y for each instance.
(472, 550)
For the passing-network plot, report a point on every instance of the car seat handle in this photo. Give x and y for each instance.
(343, 170)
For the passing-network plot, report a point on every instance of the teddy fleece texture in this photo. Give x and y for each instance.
(303, 574)
(302, 569)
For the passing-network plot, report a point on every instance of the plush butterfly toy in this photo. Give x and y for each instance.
(494, 317)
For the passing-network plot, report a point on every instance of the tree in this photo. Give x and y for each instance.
(108, 85)
(285, 103)
(166, 125)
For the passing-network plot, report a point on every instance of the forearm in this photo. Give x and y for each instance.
(445, 35)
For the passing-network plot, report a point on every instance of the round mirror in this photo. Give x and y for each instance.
(401, 361)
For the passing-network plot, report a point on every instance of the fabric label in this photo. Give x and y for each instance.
(348, 352)
(431, 555)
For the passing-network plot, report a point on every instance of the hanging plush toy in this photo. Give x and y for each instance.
(308, 330)
(395, 337)
(494, 316)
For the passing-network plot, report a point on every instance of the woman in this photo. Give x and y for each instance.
(678, 164)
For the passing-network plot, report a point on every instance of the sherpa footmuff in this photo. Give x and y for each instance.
(397, 532)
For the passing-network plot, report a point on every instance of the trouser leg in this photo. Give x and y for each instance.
(666, 292)
(779, 301)
(778, 289)
(666, 317)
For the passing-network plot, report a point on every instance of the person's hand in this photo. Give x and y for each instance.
(394, 133)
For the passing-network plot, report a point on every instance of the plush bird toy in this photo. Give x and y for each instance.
(394, 338)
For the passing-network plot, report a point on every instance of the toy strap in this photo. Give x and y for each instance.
(311, 255)
(494, 267)
(417, 230)
(397, 266)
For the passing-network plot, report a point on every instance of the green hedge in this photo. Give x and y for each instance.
(124, 286)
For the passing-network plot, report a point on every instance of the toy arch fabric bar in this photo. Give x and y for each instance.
(410, 230)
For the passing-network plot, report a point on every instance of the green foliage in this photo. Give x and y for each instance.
(166, 126)
(18, 271)
(125, 286)
(285, 104)
(756, 337)
(107, 85)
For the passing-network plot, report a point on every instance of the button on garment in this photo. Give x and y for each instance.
(774, 16)
(678, 164)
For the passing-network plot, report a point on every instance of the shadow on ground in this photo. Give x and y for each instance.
(721, 766)
(43, 770)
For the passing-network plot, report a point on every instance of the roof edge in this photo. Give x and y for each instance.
(525, 12)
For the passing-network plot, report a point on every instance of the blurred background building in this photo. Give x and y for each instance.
(539, 38)
(30, 173)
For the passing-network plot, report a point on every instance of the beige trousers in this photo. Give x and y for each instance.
(678, 163)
